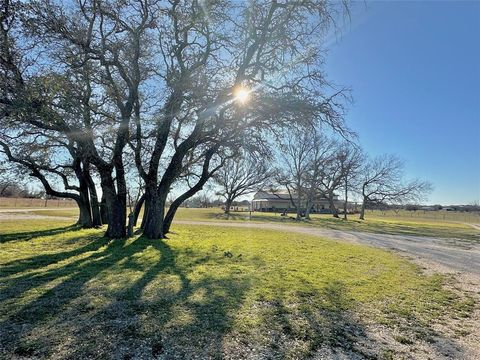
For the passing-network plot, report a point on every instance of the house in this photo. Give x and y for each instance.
(243, 205)
(268, 201)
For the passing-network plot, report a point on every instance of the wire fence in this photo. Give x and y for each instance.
(471, 217)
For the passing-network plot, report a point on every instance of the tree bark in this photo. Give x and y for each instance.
(167, 222)
(116, 209)
(333, 208)
(362, 210)
(85, 211)
(130, 225)
(103, 210)
(84, 216)
(155, 203)
(228, 205)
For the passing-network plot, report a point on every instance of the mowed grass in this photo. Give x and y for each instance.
(70, 212)
(374, 223)
(209, 292)
(22, 229)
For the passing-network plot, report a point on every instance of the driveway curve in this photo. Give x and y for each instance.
(455, 254)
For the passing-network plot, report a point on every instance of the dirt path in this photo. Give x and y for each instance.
(456, 255)
(475, 226)
(26, 214)
(22, 210)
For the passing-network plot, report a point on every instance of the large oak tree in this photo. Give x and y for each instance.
(159, 82)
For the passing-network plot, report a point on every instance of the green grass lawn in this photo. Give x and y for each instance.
(376, 222)
(210, 292)
(28, 229)
(71, 212)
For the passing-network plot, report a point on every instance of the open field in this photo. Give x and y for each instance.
(220, 293)
(434, 216)
(374, 223)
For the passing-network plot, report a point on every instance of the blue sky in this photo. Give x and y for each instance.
(414, 68)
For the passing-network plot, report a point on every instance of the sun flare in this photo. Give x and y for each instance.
(242, 95)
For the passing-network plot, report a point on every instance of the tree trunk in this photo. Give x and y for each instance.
(167, 221)
(130, 225)
(228, 204)
(116, 209)
(345, 204)
(103, 210)
(155, 209)
(299, 207)
(333, 208)
(362, 210)
(308, 207)
(84, 216)
(120, 200)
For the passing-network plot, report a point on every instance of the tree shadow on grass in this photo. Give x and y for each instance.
(326, 324)
(189, 321)
(29, 235)
(128, 299)
(317, 324)
(120, 323)
(31, 263)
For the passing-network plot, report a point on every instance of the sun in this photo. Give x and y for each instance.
(241, 94)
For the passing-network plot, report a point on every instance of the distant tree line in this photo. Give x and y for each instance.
(11, 189)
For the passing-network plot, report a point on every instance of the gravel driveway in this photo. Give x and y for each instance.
(455, 254)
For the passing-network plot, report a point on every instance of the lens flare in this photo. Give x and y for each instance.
(242, 95)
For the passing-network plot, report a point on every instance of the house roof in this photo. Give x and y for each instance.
(280, 195)
(264, 195)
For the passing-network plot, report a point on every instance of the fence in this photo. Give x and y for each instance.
(35, 203)
(439, 215)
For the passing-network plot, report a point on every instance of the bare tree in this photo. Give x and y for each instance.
(381, 182)
(350, 159)
(320, 154)
(241, 176)
(295, 161)
(8, 181)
